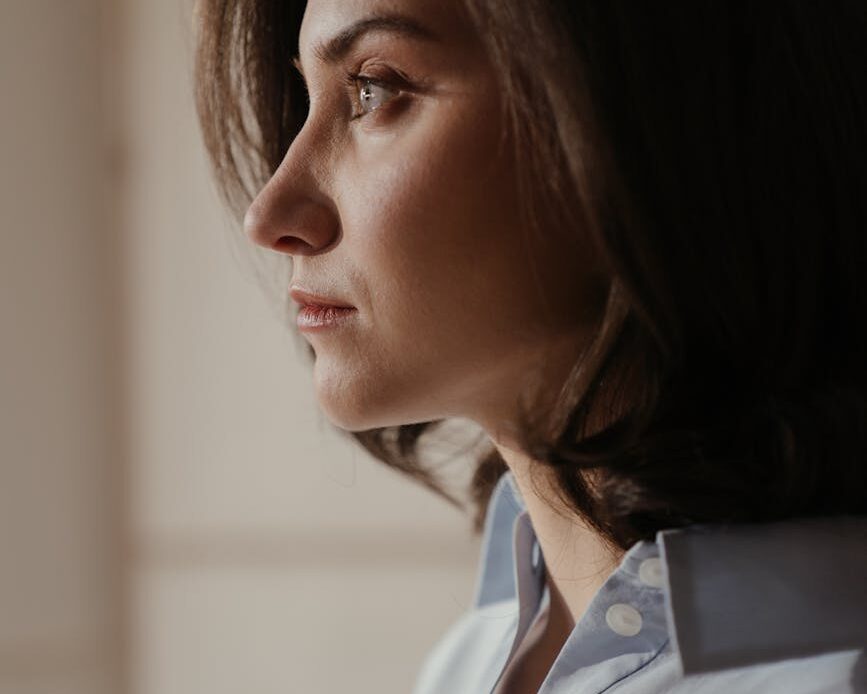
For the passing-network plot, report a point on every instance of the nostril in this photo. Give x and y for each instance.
(293, 245)
(282, 220)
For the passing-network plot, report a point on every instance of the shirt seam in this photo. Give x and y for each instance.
(619, 681)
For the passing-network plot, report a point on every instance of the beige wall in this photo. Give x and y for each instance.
(60, 449)
(176, 514)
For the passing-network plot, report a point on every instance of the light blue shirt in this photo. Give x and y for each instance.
(777, 608)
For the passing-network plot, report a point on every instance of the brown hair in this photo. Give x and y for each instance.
(714, 152)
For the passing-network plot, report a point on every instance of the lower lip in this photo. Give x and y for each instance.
(313, 318)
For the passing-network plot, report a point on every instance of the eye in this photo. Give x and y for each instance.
(369, 94)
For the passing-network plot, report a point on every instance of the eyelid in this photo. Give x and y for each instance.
(354, 81)
(393, 80)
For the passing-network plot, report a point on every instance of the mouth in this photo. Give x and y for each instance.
(315, 318)
(304, 299)
(318, 312)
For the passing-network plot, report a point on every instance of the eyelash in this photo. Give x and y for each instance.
(355, 81)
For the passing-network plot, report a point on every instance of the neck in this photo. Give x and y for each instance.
(577, 559)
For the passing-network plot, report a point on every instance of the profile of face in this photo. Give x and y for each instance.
(398, 197)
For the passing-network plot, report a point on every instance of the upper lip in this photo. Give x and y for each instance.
(307, 298)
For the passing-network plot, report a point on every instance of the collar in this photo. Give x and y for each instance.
(497, 573)
(743, 594)
(734, 595)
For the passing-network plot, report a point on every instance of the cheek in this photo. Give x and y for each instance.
(432, 235)
(432, 212)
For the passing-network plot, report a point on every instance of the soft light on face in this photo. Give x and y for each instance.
(398, 198)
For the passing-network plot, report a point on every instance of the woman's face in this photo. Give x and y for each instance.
(398, 199)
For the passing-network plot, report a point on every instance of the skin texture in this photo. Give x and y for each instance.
(410, 214)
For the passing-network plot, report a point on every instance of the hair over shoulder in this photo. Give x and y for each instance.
(714, 152)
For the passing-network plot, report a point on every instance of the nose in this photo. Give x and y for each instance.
(292, 213)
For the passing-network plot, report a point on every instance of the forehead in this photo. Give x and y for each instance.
(324, 19)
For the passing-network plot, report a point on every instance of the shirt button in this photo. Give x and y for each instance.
(536, 558)
(650, 572)
(623, 619)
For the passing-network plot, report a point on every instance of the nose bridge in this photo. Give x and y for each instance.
(293, 212)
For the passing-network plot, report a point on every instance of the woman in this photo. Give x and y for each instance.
(626, 240)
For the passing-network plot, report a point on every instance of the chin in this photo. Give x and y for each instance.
(354, 421)
(355, 401)
(354, 414)
(349, 422)
(348, 409)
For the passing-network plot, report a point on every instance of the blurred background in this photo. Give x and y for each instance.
(176, 516)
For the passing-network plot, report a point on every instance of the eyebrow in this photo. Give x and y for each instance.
(335, 48)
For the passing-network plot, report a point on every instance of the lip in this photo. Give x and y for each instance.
(313, 318)
(306, 298)
(319, 312)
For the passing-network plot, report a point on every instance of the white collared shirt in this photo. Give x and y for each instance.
(775, 608)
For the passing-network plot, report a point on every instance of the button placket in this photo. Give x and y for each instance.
(624, 619)
(623, 627)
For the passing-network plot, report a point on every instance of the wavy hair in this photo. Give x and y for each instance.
(714, 151)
